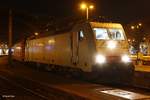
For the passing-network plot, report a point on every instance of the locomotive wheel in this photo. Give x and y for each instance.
(76, 73)
(90, 76)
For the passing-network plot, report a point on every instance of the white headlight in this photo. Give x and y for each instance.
(100, 59)
(111, 44)
(125, 58)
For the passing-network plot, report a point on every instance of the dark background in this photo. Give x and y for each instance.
(28, 13)
(126, 9)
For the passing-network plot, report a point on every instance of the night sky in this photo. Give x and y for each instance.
(125, 11)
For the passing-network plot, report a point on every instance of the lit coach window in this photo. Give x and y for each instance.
(81, 35)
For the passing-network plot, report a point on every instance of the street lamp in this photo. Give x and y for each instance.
(140, 24)
(132, 27)
(36, 33)
(137, 26)
(86, 7)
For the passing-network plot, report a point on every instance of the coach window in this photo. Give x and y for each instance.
(81, 35)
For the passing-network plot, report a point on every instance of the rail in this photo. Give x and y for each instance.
(24, 88)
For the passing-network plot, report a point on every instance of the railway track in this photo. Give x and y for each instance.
(72, 91)
(40, 90)
(27, 92)
(46, 87)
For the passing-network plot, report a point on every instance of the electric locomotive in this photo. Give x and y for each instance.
(97, 50)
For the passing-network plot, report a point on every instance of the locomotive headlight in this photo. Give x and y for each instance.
(125, 58)
(111, 44)
(100, 59)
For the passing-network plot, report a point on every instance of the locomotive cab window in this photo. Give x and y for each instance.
(81, 35)
(108, 34)
(101, 33)
(116, 34)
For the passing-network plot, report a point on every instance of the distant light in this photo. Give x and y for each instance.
(133, 40)
(51, 41)
(36, 33)
(140, 24)
(83, 6)
(132, 27)
(129, 40)
(19, 48)
(91, 6)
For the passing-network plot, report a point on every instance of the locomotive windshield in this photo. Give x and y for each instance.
(109, 34)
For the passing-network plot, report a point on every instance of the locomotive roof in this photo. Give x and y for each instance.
(68, 27)
(99, 24)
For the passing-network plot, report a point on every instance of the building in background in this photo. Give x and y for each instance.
(3, 49)
(139, 36)
(138, 33)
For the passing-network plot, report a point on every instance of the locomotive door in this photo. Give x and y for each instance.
(26, 51)
(75, 47)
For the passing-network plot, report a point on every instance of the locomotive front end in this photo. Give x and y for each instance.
(112, 61)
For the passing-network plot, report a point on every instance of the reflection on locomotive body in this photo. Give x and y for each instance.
(96, 50)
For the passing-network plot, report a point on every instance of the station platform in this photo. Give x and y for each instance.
(84, 90)
(142, 68)
(76, 88)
